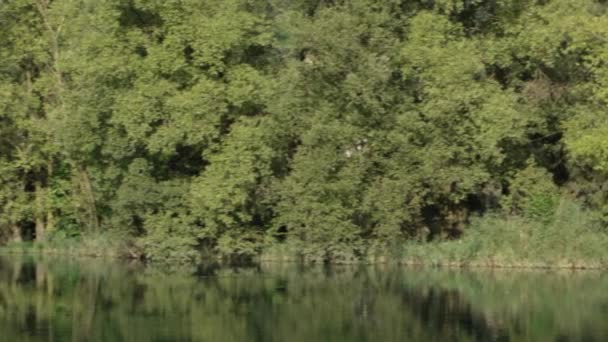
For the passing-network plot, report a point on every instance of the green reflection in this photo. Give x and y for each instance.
(55, 299)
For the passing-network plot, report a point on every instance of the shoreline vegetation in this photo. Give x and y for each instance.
(494, 242)
(493, 262)
(446, 132)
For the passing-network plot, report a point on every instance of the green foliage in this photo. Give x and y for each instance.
(232, 194)
(532, 194)
(334, 127)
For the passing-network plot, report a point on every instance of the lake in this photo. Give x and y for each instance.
(71, 299)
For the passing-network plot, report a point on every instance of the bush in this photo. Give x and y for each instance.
(532, 194)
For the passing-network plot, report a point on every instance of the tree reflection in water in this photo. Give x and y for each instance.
(56, 299)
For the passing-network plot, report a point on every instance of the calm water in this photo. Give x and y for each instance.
(94, 300)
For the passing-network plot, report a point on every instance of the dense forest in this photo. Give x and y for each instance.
(330, 129)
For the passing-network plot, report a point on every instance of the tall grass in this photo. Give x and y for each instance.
(105, 244)
(570, 238)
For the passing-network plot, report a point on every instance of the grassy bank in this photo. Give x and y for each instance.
(570, 238)
(92, 245)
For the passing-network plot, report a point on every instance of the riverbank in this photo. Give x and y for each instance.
(571, 239)
(490, 263)
(435, 255)
(94, 245)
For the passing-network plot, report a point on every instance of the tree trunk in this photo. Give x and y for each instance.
(15, 233)
(39, 201)
(88, 199)
(50, 217)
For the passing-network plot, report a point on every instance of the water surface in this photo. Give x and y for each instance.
(59, 299)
